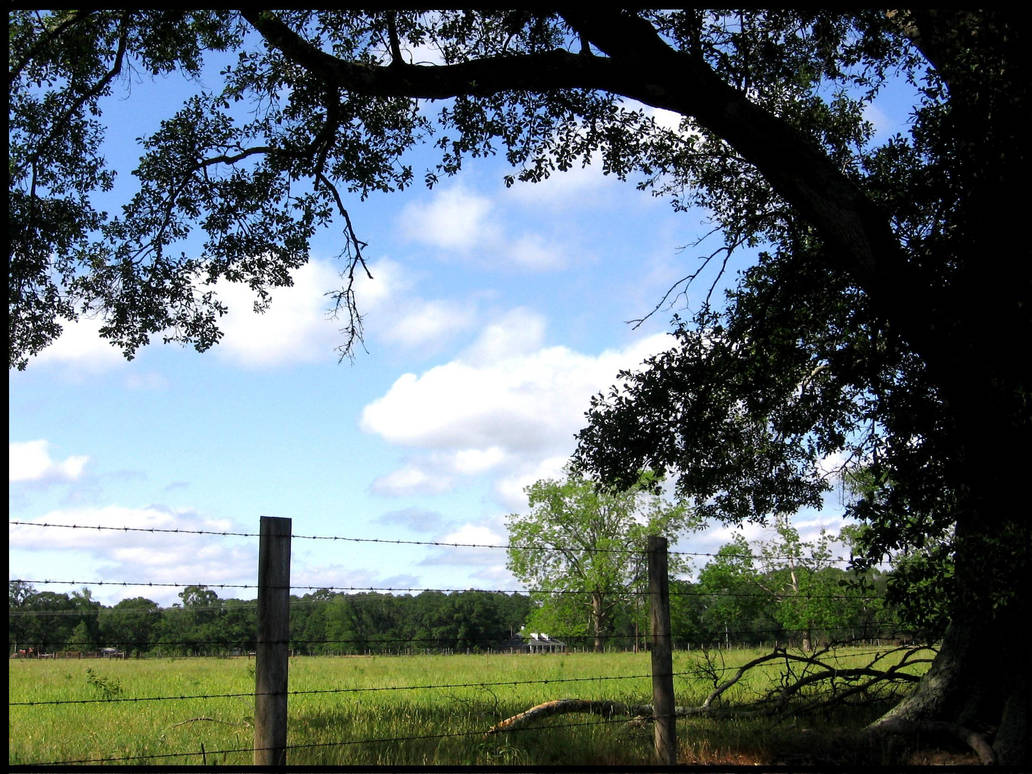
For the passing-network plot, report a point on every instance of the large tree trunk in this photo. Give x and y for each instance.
(979, 681)
(976, 684)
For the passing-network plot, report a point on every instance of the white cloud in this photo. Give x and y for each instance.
(146, 381)
(475, 534)
(411, 480)
(135, 556)
(531, 252)
(422, 55)
(458, 221)
(31, 461)
(579, 186)
(151, 517)
(416, 519)
(453, 219)
(81, 349)
(510, 489)
(473, 461)
(671, 122)
(295, 328)
(489, 562)
(340, 576)
(519, 331)
(428, 323)
(832, 466)
(508, 407)
(389, 280)
(517, 401)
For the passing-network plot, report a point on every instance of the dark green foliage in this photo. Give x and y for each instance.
(129, 625)
(324, 623)
(320, 623)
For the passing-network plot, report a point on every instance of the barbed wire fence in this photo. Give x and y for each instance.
(273, 641)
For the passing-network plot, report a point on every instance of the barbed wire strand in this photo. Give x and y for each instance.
(343, 743)
(873, 630)
(375, 689)
(410, 589)
(388, 541)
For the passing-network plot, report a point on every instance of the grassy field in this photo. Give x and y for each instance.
(413, 725)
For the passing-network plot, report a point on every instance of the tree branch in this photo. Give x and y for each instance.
(44, 40)
(61, 124)
(641, 66)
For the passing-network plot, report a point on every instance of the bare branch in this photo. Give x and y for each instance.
(686, 281)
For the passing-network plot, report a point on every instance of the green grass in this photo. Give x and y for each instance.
(425, 726)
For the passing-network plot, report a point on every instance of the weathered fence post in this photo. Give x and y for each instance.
(662, 658)
(271, 654)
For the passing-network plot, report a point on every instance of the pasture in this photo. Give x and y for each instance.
(390, 710)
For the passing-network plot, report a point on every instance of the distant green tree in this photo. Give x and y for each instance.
(197, 624)
(732, 605)
(129, 625)
(238, 625)
(90, 617)
(787, 588)
(308, 622)
(583, 549)
(81, 638)
(45, 620)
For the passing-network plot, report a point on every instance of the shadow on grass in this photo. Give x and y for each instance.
(452, 731)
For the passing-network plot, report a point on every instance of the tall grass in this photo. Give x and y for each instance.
(409, 724)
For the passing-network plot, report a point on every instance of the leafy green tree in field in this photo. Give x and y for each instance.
(17, 626)
(194, 626)
(884, 319)
(239, 624)
(89, 622)
(799, 577)
(429, 618)
(583, 549)
(129, 624)
(788, 589)
(308, 622)
(42, 620)
(734, 605)
(81, 639)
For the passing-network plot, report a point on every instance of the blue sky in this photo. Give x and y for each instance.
(494, 314)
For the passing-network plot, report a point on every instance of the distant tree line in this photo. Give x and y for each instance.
(322, 622)
(736, 600)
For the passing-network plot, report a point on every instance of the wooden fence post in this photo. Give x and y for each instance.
(271, 653)
(662, 658)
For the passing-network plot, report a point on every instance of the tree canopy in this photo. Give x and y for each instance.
(581, 549)
(884, 320)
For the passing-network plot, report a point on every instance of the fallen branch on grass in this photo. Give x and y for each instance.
(774, 702)
(843, 683)
(212, 720)
(563, 706)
